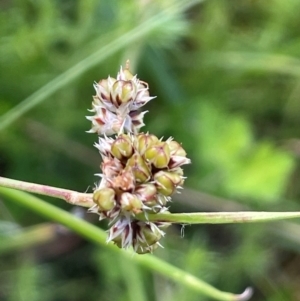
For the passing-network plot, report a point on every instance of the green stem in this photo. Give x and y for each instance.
(218, 217)
(128, 38)
(98, 236)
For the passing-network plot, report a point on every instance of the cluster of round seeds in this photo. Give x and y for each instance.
(139, 174)
(139, 171)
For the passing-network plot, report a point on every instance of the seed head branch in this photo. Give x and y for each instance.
(70, 196)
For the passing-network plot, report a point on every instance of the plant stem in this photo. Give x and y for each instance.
(98, 236)
(86, 200)
(70, 196)
(218, 217)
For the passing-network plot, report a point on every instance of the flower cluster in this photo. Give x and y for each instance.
(140, 172)
(117, 103)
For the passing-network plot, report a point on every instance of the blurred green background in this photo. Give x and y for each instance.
(227, 79)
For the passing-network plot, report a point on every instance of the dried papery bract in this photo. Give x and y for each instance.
(139, 171)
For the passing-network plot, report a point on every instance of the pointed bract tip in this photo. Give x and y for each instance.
(245, 296)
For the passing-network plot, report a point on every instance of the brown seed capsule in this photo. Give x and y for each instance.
(104, 198)
(158, 154)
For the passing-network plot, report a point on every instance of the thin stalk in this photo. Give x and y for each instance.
(70, 196)
(98, 236)
(219, 217)
(86, 200)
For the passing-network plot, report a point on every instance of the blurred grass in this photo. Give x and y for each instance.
(227, 79)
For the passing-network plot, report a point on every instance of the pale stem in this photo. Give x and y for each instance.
(218, 217)
(70, 196)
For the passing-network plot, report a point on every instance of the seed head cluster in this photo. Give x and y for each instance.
(139, 171)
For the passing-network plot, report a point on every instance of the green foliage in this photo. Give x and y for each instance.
(245, 168)
(226, 74)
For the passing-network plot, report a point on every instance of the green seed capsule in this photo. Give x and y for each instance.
(176, 149)
(147, 194)
(118, 241)
(104, 198)
(150, 234)
(158, 154)
(122, 147)
(122, 92)
(130, 202)
(139, 168)
(167, 182)
(144, 141)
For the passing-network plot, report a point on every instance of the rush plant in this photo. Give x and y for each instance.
(139, 174)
